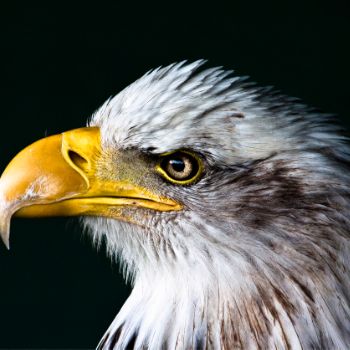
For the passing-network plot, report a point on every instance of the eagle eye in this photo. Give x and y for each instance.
(180, 167)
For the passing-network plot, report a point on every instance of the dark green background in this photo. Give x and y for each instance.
(60, 63)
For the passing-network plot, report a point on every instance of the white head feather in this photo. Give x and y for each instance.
(259, 257)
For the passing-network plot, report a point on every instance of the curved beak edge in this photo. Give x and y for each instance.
(42, 173)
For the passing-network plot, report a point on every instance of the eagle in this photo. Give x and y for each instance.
(226, 204)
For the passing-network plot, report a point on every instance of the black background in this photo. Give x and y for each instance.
(60, 63)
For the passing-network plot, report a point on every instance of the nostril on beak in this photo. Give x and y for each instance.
(78, 160)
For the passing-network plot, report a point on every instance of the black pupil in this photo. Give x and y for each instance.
(177, 164)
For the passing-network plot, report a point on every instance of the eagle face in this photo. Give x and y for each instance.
(226, 204)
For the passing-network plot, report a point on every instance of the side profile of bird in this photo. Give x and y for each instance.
(227, 205)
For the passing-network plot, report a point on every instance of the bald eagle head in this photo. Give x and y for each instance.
(227, 205)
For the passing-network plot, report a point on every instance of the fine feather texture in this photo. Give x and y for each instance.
(259, 256)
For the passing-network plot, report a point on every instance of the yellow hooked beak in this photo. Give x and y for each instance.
(58, 176)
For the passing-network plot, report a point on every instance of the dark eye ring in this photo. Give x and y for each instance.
(180, 167)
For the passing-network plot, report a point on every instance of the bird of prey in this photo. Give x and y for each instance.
(226, 204)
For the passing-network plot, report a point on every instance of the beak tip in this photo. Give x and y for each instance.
(5, 233)
(7, 244)
(6, 241)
